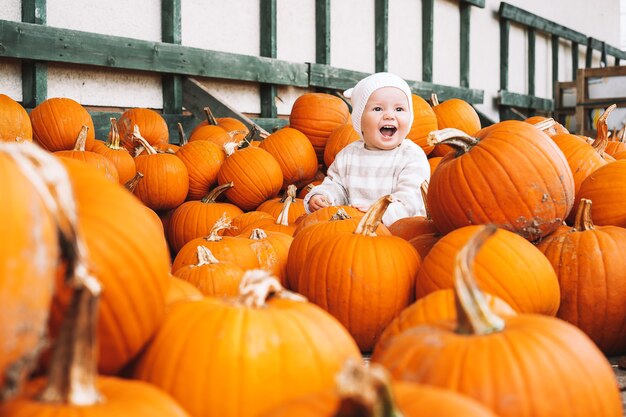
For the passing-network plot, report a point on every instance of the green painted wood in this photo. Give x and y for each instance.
(268, 48)
(574, 59)
(515, 14)
(34, 73)
(589, 54)
(507, 98)
(505, 29)
(381, 35)
(477, 3)
(270, 125)
(101, 122)
(197, 97)
(30, 41)
(464, 70)
(531, 61)
(605, 48)
(171, 32)
(555, 59)
(428, 19)
(341, 79)
(322, 32)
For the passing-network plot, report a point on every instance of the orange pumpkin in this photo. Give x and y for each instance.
(15, 123)
(203, 160)
(606, 187)
(424, 122)
(121, 158)
(276, 206)
(181, 290)
(541, 365)
(512, 175)
(150, 123)
(338, 139)
(57, 122)
(317, 115)
(242, 356)
(554, 129)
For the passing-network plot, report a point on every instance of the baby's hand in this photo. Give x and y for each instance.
(317, 202)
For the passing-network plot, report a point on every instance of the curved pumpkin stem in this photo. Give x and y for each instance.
(457, 139)
(216, 192)
(182, 138)
(136, 136)
(434, 100)
(602, 132)
(222, 223)
(258, 286)
(365, 391)
(545, 125)
(132, 183)
(113, 141)
(372, 218)
(209, 116)
(81, 139)
(288, 199)
(245, 142)
(583, 221)
(473, 312)
(205, 256)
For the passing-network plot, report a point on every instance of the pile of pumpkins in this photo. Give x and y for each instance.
(137, 274)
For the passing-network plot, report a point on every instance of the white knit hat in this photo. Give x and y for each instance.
(364, 88)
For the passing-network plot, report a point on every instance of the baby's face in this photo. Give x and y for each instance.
(386, 119)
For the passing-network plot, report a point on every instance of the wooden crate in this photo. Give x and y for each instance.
(596, 89)
(565, 104)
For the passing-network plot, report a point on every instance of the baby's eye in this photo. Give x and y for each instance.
(377, 108)
(399, 108)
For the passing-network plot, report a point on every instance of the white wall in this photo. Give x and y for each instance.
(233, 26)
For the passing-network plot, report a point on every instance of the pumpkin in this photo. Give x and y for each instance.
(256, 176)
(512, 175)
(454, 113)
(203, 160)
(338, 139)
(150, 123)
(29, 255)
(212, 277)
(424, 122)
(181, 290)
(212, 133)
(508, 267)
(368, 391)
(276, 206)
(241, 356)
(325, 214)
(57, 121)
(592, 275)
(15, 123)
(554, 129)
(194, 219)
(112, 150)
(246, 221)
(362, 279)
(72, 387)
(317, 115)
(237, 129)
(166, 180)
(606, 187)
(541, 365)
(100, 162)
(294, 153)
(409, 227)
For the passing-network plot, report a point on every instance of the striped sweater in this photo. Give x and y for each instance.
(360, 176)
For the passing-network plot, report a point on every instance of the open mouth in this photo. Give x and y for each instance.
(388, 131)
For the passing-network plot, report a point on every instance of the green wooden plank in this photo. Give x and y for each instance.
(268, 48)
(381, 35)
(464, 70)
(589, 53)
(322, 32)
(531, 61)
(428, 20)
(515, 14)
(270, 124)
(341, 79)
(574, 59)
(505, 29)
(507, 98)
(30, 41)
(555, 59)
(34, 73)
(102, 124)
(171, 32)
(477, 3)
(601, 46)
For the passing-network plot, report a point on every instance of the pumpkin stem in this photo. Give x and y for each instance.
(424, 191)
(340, 214)
(205, 257)
(583, 221)
(457, 139)
(132, 183)
(258, 286)
(288, 199)
(365, 392)
(369, 222)
(136, 136)
(602, 132)
(222, 223)
(545, 124)
(245, 142)
(290, 192)
(216, 192)
(81, 139)
(182, 138)
(257, 234)
(230, 148)
(113, 141)
(473, 312)
(434, 100)
(209, 116)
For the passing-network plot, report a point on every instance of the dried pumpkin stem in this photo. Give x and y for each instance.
(182, 138)
(424, 191)
(209, 116)
(583, 221)
(136, 135)
(258, 286)
(434, 100)
(132, 183)
(457, 139)
(113, 141)
(340, 214)
(216, 192)
(372, 218)
(365, 392)
(283, 216)
(205, 256)
(602, 129)
(81, 139)
(546, 124)
(222, 223)
(473, 312)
